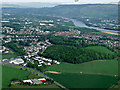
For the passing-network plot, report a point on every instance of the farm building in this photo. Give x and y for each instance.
(42, 79)
(27, 81)
(15, 82)
(36, 81)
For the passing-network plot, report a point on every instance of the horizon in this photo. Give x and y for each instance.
(61, 1)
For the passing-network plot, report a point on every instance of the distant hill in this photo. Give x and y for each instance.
(88, 10)
(29, 5)
(75, 11)
(9, 6)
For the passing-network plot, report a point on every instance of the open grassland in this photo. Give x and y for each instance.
(100, 67)
(75, 80)
(9, 73)
(95, 74)
(100, 49)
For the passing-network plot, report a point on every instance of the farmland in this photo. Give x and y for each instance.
(38, 87)
(71, 80)
(10, 73)
(100, 73)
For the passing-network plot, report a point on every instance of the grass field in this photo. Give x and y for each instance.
(102, 67)
(9, 73)
(10, 55)
(95, 74)
(75, 80)
(42, 86)
(100, 49)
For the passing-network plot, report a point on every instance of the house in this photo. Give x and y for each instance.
(15, 82)
(58, 63)
(40, 61)
(28, 81)
(42, 79)
(24, 64)
(39, 65)
(47, 63)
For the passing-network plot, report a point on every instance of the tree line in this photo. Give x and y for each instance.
(75, 55)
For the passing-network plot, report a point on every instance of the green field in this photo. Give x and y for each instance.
(102, 67)
(100, 73)
(37, 87)
(9, 73)
(100, 49)
(10, 55)
(75, 80)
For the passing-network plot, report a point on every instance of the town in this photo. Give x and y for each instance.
(40, 45)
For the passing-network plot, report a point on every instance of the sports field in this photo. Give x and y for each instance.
(95, 74)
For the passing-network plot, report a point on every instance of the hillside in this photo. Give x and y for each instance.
(72, 11)
(97, 10)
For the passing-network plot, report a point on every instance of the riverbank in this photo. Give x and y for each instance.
(110, 32)
(83, 24)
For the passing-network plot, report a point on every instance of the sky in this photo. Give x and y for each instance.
(63, 1)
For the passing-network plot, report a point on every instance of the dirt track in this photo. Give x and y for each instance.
(53, 72)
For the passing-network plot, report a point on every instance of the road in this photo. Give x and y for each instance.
(42, 74)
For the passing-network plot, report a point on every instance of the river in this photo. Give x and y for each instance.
(82, 24)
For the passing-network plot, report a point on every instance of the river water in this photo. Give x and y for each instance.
(82, 24)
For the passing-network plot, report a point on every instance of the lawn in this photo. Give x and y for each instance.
(9, 73)
(95, 74)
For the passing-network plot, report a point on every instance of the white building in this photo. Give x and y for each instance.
(17, 61)
(28, 81)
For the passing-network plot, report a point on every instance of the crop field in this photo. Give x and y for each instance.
(99, 73)
(94, 67)
(75, 80)
(9, 73)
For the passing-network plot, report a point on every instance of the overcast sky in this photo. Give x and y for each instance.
(64, 1)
